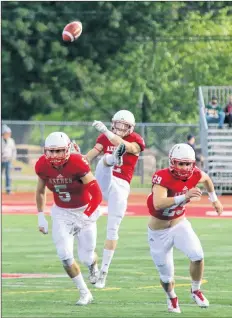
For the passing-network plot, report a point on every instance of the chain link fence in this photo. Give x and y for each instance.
(30, 136)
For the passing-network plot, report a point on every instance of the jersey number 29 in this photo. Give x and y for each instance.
(172, 210)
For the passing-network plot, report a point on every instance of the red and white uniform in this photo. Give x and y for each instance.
(181, 235)
(175, 187)
(71, 199)
(65, 183)
(115, 182)
(126, 171)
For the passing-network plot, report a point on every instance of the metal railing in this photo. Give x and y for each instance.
(203, 128)
(158, 137)
(221, 92)
(216, 143)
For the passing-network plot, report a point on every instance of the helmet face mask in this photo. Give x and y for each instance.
(123, 123)
(182, 161)
(121, 128)
(57, 149)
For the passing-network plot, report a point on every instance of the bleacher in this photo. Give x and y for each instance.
(216, 144)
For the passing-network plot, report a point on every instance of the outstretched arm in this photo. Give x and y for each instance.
(208, 184)
(131, 147)
(93, 153)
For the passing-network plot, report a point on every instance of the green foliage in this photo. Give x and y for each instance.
(148, 57)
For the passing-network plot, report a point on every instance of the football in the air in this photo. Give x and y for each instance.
(72, 31)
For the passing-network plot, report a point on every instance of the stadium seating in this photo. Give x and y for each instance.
(216, 143)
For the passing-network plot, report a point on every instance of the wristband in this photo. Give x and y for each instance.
(212, 196)
(179, 199)
(109, 134)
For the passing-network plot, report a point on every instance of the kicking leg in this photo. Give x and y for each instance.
(103, 175)
(104, 168)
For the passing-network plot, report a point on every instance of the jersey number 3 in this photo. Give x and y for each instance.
(63, 195)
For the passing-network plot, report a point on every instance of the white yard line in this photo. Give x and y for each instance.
(94, 289)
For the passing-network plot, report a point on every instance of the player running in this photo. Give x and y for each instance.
(74, 213)
(172, 189)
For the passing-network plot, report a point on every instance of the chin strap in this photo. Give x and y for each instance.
(96, 197)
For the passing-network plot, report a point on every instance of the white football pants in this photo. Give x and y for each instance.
(161, 242)
(115, 191)
(67, 225)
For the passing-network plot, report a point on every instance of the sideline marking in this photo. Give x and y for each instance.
(204, 281)
(30, 275)
(133, 210)
(182, 277)
(37, 275)
(224, 213)
(31, 209)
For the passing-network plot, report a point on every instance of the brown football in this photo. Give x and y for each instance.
(72, 31)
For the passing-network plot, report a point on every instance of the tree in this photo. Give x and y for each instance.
(148, 57)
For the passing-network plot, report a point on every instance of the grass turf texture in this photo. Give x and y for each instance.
(133, 284)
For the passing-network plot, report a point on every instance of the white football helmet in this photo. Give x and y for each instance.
(123, 123)
(57, 141)
(182, 153)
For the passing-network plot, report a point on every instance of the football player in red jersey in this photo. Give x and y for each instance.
(75, 210)
(172, 189)
(121, 147)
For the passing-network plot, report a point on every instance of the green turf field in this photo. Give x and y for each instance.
(133, 285)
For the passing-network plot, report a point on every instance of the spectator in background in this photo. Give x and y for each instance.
(228, 111)
(8, 154)
(199, 158)
(215, 113)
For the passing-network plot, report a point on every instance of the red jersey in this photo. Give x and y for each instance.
(228, 108)
(129, 160)
(68, 190)
(175, 187)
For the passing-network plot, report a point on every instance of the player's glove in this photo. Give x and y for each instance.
(99, 126)
(42, 223)
(103, 129)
